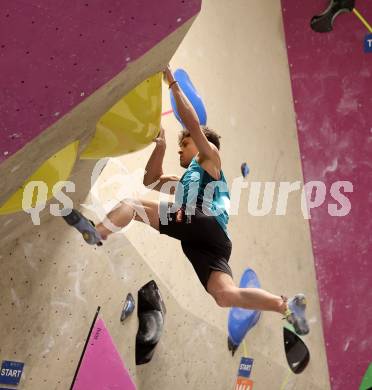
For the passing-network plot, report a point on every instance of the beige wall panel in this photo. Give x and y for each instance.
(236, 56)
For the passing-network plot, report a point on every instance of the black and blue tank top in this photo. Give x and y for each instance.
(197, 188)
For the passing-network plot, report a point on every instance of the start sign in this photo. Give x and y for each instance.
(245, 367)
(244, 372)
(11, 372)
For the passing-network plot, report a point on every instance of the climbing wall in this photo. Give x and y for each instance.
(53, 56)
(64, 64)
(49, 300)
(331, 81)
(52, 282)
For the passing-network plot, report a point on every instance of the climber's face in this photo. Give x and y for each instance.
(187, 151)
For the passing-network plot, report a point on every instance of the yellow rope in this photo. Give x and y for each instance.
(285, 381)
(356, 12)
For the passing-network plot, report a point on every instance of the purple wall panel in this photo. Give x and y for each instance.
(53, 54)
(332, 87)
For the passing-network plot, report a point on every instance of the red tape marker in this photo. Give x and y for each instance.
(167, 112)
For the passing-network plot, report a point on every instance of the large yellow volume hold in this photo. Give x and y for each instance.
(131, 124)
(57, 168)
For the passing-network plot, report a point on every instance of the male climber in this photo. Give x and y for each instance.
(198, 218)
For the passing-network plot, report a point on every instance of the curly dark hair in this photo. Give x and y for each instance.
(211, 135)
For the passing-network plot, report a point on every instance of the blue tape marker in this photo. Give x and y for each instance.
(244, 169)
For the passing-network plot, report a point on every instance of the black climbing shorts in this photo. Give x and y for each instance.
(202, 239)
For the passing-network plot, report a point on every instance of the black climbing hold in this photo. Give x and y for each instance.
(231, 346)
(296, 351)
(150, 327)
(151, 312)
(324, 22)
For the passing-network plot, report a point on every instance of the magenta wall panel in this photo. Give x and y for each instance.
(102, 367)
(332, 88)
(53, 54)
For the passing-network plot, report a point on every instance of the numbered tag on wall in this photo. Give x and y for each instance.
(243, 384)
(368, 43)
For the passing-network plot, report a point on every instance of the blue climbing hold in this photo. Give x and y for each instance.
(242, 320)
(244, 169)
(192, 95)
(128, 308)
